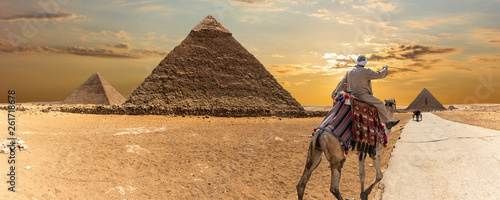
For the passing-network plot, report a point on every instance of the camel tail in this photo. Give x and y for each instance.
(312, 147)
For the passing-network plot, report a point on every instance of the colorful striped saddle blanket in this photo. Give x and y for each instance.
(356, 124)
(338, 122)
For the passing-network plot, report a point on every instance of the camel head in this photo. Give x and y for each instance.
(390, 106)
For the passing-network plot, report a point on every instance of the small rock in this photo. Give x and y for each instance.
(28, 167)
(209, 183)
(5, 150)
(371, 165)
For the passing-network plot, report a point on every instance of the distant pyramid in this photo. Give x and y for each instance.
(95, 90)
(210, 72)
(425, 101)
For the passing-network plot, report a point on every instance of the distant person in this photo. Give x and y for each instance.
(417, 113)
(358, 80)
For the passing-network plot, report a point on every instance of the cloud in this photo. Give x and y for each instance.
(256, 6)
(327, 15)
(297, 83)
(250, 1)
(416, 57)
(152, 53)
(84, 38)
(150, 8)
(133, 3)
(339, 60)
(120, 34)
(376, 5)
(251, 18)
(287, 70)
(119, 45)
(486, 59)
(288, 83)
(489, 35)
(293, 70)
(39, 16)
(165, 38)
(409, 52)
(429, 22)
(6, 46)
(277, 56)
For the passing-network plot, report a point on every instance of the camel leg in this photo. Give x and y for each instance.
(376, 163)
(313, 160)
(335, 184)
(335, 156)
(362, 175)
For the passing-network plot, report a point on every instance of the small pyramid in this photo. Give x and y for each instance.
(425, 101)
(95, 90)
(212, 73)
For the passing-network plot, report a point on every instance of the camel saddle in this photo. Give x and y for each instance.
(355, 123)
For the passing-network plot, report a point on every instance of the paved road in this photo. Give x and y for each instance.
(440, 159)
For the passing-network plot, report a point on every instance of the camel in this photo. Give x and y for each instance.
(331, 147)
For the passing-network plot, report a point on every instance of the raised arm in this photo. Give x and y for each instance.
(370, 74)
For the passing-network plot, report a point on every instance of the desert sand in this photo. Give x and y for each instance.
(79, 156)
(483, 115)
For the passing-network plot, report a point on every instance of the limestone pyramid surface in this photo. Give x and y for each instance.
(210, 72)
(95, 90)
(425, 101)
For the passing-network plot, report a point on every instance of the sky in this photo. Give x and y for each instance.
(49, 47)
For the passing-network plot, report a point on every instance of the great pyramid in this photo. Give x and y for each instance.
(425, 101)
(95, 90)
(212, 73)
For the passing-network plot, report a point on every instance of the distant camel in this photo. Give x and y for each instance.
(331, 147)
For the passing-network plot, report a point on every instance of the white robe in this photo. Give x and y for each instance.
(358, 80)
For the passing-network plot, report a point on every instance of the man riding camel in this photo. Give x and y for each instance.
(358, 80)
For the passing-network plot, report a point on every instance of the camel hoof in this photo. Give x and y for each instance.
(363, 196)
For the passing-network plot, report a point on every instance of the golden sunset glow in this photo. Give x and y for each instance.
(48, 48)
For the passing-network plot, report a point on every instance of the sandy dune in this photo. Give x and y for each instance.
(78, 156)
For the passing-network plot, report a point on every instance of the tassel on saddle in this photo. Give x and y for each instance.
(363, 149)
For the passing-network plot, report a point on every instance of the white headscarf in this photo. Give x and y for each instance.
(362, 60)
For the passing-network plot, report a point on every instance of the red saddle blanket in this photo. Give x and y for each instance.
(366, 127)
(355, 125)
